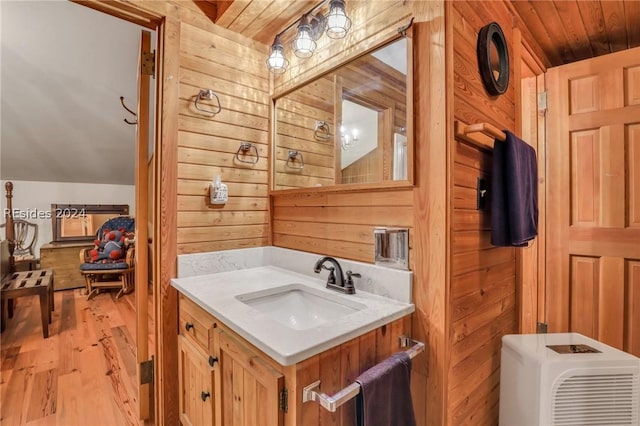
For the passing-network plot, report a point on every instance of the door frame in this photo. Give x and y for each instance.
(142, 227)
(530, 261)
(161, 18)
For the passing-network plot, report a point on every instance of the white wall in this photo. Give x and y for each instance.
(37, 197)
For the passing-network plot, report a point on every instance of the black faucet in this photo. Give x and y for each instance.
(335, 280)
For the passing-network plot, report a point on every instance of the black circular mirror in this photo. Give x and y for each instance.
(493, 59)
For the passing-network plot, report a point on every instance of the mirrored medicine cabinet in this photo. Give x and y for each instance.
(352, 125)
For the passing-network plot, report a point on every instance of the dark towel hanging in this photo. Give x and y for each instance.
(514, 198)
(385, 394)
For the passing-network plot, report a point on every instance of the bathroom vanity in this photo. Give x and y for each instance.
(250, 340)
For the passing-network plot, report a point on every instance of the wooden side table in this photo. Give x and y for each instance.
(63, 259)
(28, 283)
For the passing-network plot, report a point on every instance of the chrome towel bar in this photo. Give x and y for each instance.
(332, 402)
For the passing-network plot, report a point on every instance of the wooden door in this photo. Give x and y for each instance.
(249, 387)
(593, 199)
(196, 397)
(142, 232)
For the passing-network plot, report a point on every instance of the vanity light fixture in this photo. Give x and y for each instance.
(338, 23)
(277, 62)
(310, 28)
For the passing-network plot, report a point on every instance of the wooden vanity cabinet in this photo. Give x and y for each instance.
(222, 380)
(247, 387)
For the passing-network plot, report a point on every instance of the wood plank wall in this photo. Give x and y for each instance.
(483, 277)
(214, 58)
(338, 223)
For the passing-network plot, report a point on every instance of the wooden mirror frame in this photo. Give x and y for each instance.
(62, 211)
(492, 35)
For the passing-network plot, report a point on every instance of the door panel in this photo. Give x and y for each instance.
(593, 191)
(196, 396)
(250, 388)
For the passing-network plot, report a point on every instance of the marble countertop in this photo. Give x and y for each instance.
(217, 294)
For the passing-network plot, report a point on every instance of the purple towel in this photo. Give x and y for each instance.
(514, 193)
(385, 394)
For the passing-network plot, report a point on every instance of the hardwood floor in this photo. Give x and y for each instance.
(83, 374)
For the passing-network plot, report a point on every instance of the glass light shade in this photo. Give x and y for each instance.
(277, 63)
(338, 23)
(303, 45)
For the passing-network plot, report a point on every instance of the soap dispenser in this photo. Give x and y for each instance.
(218, 192)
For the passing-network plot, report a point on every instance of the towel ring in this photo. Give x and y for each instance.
(208, 94)
(291, 158)
(245, 147)
(322, 132)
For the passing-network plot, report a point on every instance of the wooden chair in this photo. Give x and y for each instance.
(118, 274)
(25, 235)
(17, 284)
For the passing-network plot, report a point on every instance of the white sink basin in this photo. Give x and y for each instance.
(300, 307)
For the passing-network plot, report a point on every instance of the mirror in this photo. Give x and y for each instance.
(80, 222)
(493, 59)
(349, 126)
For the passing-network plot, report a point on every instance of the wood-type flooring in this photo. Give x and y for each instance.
(83, 374)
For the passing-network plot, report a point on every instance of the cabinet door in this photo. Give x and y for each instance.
(196, 382)
(249, 387)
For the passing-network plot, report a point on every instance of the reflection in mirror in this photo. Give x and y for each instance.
(80, 222)
(357, 141)
(350, 125)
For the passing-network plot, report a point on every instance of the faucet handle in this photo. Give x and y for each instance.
(350, 274)
(331, 279)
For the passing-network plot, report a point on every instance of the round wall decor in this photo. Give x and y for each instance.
(493, 59)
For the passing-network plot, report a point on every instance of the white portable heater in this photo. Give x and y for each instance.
(567, 379)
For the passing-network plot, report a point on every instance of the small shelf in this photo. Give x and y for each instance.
(481, 134)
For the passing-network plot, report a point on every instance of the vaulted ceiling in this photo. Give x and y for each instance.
(566, 30)
(64, 67)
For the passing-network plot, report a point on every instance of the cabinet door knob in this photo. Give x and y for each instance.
(204, 395)
(212, 360)
(188, 326)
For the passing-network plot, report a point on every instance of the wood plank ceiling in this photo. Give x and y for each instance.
(567, 30)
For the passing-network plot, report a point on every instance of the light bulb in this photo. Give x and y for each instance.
(277, 63)
(338, 23)
(303, 45)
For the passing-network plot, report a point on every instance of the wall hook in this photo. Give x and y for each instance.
(208, 95)
(129, 111)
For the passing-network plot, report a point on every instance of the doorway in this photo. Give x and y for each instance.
(68, 118)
